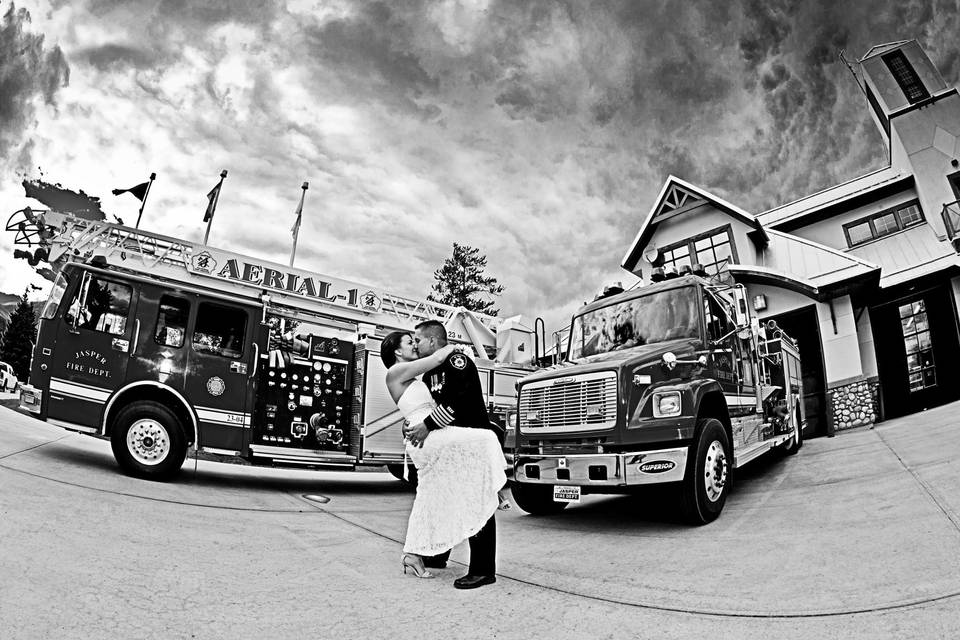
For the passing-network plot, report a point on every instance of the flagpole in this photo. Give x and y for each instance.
(143, 202)
(296, 229)
(216, 199)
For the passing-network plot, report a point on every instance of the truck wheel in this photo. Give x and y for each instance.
(396, 470)
(707, 479)
(536, 499)
(793, 445)
(148, 442)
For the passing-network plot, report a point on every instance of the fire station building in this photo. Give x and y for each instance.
(864, 275)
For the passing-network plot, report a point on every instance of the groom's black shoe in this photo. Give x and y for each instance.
(432, 563)
(471, 581)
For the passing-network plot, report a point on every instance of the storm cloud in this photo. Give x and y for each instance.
(28, 71)
(539, 131)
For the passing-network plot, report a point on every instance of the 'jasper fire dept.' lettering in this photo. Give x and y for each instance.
(95, 369)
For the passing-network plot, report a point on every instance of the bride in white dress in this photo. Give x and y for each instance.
(459, 469)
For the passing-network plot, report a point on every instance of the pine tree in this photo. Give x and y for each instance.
(461, 278)
(18, 339)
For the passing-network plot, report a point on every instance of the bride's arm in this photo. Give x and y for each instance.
(403, 371)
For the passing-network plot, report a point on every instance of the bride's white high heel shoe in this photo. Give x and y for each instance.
(415, 564)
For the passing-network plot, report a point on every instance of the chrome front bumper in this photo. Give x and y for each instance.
(30, 398)
(603, 470)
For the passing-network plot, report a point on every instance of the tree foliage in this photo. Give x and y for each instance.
(18, 339)
(461, 282)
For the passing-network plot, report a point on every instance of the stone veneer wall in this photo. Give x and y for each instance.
(854, 405)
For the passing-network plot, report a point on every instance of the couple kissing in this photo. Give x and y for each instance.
(459, 458)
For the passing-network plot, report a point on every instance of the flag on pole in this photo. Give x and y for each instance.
(140, 191)
(296, 223)
(212, 198)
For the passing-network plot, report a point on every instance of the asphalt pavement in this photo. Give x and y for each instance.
(857, 536)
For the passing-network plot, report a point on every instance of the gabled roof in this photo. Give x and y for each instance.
(882, 48)
(676, 197)
(848, 195)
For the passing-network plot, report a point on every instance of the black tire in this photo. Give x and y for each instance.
(708, 465)
(148, 441)
(793, 445)
(536, 499)
(396, 470)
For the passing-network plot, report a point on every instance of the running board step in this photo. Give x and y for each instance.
(755, 451)
(302, 456)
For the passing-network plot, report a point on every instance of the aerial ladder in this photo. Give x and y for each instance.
(58, 238)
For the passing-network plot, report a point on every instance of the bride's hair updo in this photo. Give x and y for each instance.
(389, 346)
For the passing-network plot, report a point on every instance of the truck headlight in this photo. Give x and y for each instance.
(666, 404)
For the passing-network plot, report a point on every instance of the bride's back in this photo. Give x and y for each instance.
(416, 403)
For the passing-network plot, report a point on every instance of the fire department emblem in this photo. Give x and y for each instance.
(216, 386)
(370, 300)
(458, 361)
(203, 262)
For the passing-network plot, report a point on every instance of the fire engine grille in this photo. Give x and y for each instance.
(581, 403)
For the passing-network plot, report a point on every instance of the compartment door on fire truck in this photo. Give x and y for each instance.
(221, 363)
(93, 343)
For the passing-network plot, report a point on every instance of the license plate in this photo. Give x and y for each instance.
(563, 493)
(28, 398)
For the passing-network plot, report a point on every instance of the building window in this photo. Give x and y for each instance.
(916, 337)
(883, 224)
(881, 116)
(906, 77)
(712, 250)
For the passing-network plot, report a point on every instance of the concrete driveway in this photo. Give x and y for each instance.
(856, 537)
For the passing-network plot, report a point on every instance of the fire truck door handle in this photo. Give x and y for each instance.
(136, 336)
(256, 359)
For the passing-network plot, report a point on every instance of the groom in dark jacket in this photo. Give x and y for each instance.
(455, 386)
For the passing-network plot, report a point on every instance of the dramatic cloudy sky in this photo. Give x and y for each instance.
(538, 131)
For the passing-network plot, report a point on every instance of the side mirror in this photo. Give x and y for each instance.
(740, 309)
(81, 303)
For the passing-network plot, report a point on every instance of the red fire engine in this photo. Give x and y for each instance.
(161, 345)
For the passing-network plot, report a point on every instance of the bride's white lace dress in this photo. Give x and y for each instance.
(459, 471)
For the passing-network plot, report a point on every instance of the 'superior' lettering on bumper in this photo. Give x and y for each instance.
(619, 469)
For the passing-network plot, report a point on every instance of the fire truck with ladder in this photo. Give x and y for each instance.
(672, 383)
(161, 345)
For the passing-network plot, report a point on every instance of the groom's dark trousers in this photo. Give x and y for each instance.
(483, 551)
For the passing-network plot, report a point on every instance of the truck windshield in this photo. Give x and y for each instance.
(666, 315)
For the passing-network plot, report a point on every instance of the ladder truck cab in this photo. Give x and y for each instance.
(669, 383)
(161, 345)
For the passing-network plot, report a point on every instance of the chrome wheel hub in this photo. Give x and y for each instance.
(715, 471)
(148, 441)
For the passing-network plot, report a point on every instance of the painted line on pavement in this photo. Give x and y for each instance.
(153, 499)
(930, 491)
(786, 615)
(36, 446)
